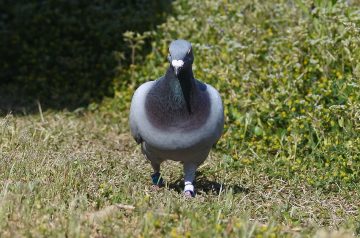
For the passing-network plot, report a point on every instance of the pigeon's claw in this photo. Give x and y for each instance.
(155, 187)
(189, 194)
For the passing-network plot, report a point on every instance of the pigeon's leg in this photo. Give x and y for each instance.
(156, 178)
(189, 177)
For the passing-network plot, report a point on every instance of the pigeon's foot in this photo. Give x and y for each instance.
(155, 187)
(189, 194)
(189, 190)
(157, 180)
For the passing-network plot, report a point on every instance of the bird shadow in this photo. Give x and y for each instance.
(204, 185)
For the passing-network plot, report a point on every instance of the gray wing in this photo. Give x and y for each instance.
(135, 132)
(134, 129)
(137, 105)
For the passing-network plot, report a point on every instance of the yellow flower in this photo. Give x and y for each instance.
(339, 75)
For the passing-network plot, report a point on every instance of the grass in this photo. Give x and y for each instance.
(288, 163)
(80, 174)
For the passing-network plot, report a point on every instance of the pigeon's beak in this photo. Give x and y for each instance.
(177, 64)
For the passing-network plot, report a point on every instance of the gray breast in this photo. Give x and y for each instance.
(168, 113)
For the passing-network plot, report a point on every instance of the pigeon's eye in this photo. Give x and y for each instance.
(188, 51)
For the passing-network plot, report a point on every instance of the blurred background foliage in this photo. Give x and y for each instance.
(64, 53)
(288, 73)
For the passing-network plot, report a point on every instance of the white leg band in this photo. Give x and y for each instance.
(189, 187)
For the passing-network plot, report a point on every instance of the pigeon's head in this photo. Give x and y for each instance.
(180, 55)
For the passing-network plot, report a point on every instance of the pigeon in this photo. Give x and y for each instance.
(177, 117)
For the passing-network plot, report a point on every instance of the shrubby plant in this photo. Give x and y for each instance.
(62, 51)
(288, 74)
